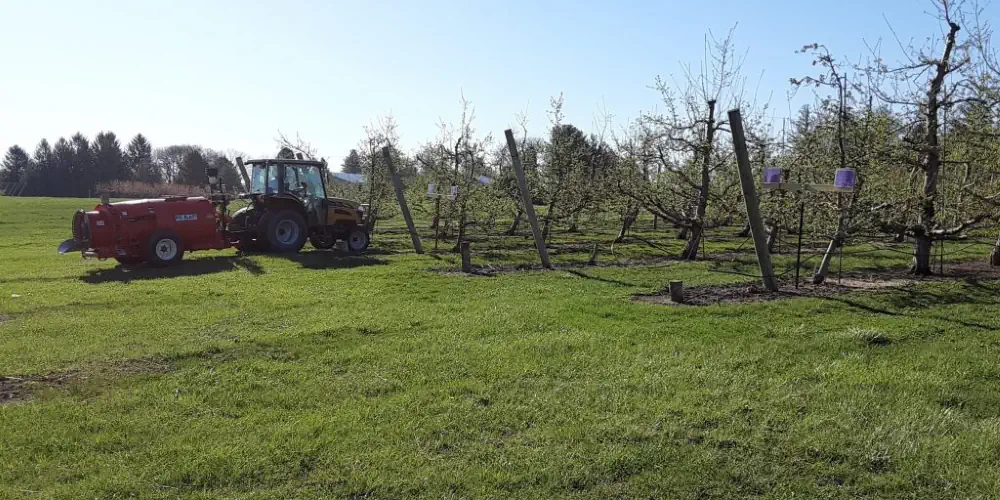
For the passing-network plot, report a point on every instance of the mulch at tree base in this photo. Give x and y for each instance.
(855, 282)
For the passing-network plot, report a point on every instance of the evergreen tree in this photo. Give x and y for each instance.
(191, 170)
(352, 164)
(41, 176)
(16, 164)
(83, 172)
(108, 158)
(62, 166)
(227, 172)
(139, 160)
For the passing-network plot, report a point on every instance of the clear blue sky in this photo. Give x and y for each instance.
(229, 74)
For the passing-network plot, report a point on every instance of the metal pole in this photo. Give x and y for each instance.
(798, 250)
(398, 186)
(753, 204)
(529, 207)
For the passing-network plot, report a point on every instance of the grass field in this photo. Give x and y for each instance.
(390, 375)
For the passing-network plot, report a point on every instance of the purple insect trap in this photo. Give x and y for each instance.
(772, 175)
(846, 178)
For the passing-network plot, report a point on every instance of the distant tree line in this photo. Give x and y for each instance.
(81, 167)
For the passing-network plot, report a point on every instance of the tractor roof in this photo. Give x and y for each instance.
(260, 161)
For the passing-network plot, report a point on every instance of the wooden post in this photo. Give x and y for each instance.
(529, 207)
(753, 205)
(398, 186)
(677, 292)
(466, 257)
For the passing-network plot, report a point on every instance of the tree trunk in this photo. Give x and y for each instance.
(574, 222)
(630, 216)
(683, 233)
(922, 256)
(772, 237)
(699, 226)
(932, 161)
(691, 248)
(745, 231)
(549, 215)
(995, 255)
(824, 267)
(517, 222)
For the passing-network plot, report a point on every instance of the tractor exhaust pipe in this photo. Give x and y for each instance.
(243, 172)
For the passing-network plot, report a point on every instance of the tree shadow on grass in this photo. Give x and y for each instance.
(612, 281)
(907, 302)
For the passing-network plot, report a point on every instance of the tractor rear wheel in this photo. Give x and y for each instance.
(286, 231)
(164, 248)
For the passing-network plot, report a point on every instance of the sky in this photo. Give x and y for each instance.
(229, 75)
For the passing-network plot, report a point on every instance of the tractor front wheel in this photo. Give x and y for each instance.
(358, 240)
(164, 248)
(322, 241)
(286, 231)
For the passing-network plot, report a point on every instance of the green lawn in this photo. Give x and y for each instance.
(389, 376)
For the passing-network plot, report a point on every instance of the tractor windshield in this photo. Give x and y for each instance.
(305, 180)
(264, 179)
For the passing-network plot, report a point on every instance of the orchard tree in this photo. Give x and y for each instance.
(933, 80)
(573, 170)
(683, 142)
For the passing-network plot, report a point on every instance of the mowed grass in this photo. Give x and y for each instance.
(387, 376)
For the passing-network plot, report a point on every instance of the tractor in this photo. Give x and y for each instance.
(286, 205)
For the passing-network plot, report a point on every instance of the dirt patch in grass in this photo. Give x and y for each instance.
(495, 269)
(859, 282)
(15, 389)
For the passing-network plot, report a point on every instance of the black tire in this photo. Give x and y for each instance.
(164, 248)
(286, 231)
(322, 241)
(358, 240)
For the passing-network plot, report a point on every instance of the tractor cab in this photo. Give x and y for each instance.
(300, 181)
(288, 204)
